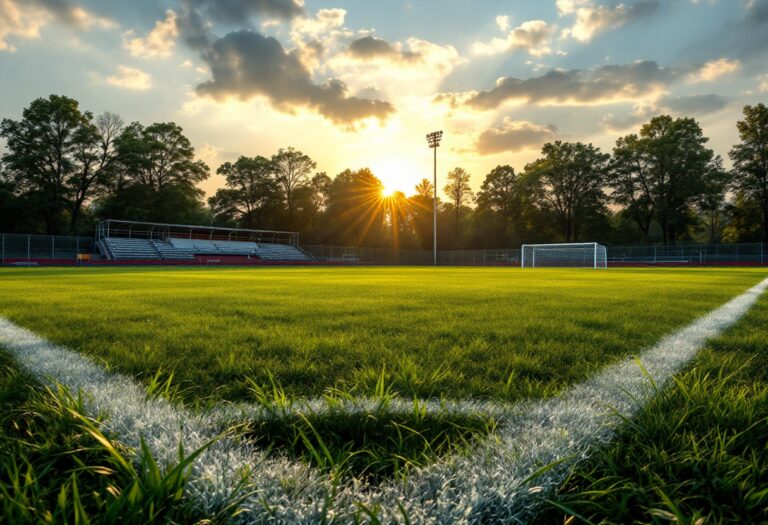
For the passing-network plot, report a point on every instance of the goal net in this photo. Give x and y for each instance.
(567, 255)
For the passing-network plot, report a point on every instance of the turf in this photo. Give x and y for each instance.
(697, 453)
(499, 333)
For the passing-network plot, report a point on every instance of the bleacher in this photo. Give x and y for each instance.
(265, 251)
(127, 249)
(169, 251)
(132, 240)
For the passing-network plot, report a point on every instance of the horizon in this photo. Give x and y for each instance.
(362, 84)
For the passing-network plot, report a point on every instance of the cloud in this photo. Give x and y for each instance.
(25, 19)
(130, 78)
(685, 105)
(159, 42)
(763, 87)
(370, 47)
(715, 69)
(591, 19)
(74, 15)
(602, 85)
(239, 12)
(693, 104)
(533, 36)
(514, 135)
(19, 21)
(503, 22)
(245, 64)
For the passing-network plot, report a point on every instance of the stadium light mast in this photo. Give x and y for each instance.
(433, 139)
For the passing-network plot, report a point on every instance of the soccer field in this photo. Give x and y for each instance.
(502, 333)
(414, 395)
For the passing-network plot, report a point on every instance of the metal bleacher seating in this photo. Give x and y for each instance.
(186, 249)
(265, 251)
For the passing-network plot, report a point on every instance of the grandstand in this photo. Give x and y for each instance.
(133, 241)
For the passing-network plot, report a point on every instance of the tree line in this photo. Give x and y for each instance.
(63, 168)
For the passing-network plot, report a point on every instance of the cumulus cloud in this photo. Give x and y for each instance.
(715, 69)
(693, 104)
(19, 20)
(159, 42)
(24, 19)
(763, 87)
(514, 135)
(503, 22)
(601, 85)
(130, 78)
(684, 105)
(370, 47)
(240, 11)
(245, 64)
(532, 36)
(591, 18)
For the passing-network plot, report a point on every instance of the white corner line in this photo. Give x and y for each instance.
(486, 486)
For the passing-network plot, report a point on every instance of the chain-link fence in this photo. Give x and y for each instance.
(753, 254)
(19, 247)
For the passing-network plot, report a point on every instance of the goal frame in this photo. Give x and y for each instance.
(594, 246)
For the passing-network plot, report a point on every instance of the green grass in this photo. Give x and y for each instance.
(498, 333)
(698, 453)
(56, 466)
(371, 444)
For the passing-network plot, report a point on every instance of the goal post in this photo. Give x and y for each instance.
(564, 255)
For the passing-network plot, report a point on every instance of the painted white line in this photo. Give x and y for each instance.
(486, 486)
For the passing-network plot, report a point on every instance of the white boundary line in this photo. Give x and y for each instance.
(486, 486)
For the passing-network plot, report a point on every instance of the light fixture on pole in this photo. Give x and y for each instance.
(433, 139)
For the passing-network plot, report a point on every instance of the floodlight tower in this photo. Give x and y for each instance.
(433, 139)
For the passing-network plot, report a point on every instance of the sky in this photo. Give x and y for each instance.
(358, 83)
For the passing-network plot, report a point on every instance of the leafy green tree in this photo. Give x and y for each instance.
(460, 195)
(291, 169)
(662, 173)
(157, 156)
(251, 194)
(750, 159)
(60, 157)
(570, 178)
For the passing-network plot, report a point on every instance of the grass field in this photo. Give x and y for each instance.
(697, 453)
(273, 335)
(454, 332)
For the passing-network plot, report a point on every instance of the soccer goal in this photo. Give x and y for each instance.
(567, 255)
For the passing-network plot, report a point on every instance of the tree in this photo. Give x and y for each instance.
(250, 195)
(750, 159)
(291, 169)
(662, 173)
(355, 214)
(425, 188)
(460, 195)
(59, 157)
(158, 155)
(571, 178)
(97, 158)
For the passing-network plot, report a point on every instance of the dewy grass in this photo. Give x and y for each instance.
(372, 441)
(497, 482)
(56, 465)
(697, 453)
(498, 333)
